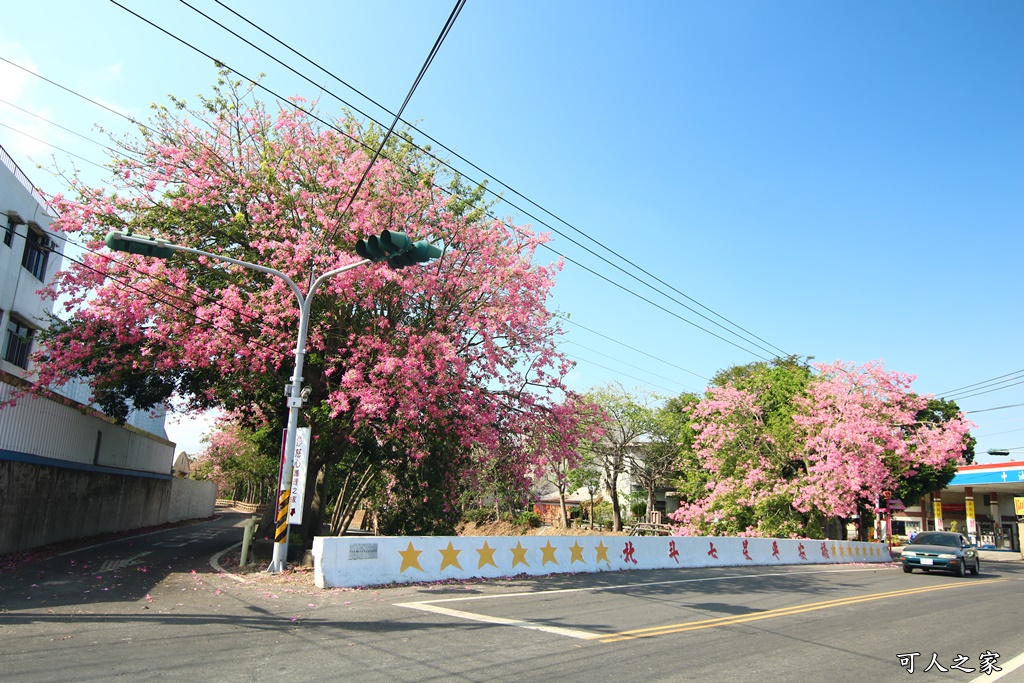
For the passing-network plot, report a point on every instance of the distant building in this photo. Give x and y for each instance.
(66, 470)
(978, 502)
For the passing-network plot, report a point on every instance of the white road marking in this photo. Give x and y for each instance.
(111, 565)
(500, 621)
(433, 606)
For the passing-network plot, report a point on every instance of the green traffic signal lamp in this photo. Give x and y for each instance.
(147, 246)
(397, 249)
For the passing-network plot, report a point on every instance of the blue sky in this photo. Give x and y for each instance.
(844, 180)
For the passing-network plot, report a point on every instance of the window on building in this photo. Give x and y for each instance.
(17, 343)
(13, 221)
(37, 251)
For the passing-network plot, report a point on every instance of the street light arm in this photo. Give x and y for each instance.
(114, 237)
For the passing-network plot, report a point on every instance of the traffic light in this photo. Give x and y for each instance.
(147, 246)
(397, 249)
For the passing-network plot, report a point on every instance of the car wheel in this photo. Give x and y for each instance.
(907, 569)
(960, 571)
(977, 567)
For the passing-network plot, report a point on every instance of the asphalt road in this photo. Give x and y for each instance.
(153, 608)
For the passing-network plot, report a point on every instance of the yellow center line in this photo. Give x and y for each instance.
(780, 612)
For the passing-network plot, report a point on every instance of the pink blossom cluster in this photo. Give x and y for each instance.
(855, 435)
(463, 346)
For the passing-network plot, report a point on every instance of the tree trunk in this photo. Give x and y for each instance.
(613, 491)
(351, 494)
(561, 504)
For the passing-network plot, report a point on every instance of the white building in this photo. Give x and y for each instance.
(66, 470)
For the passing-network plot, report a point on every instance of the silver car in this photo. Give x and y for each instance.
(941, 550)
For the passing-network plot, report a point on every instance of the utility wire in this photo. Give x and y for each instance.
(986, 410)
(398, 117)
(452, 152)
(986, 384)
(59, 149)
(619, 360)
(617, 372)
(54, 123)
(441, 161)
(632, 348)
(69, 90)
(445, 190)
(249, 317)
(987, 391)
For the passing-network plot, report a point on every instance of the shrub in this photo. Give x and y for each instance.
(529, 520)
(478, 515)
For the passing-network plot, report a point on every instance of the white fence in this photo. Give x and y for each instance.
(353, 561)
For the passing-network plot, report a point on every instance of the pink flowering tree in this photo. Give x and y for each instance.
(744, 483)
(233, 459)
(409, 370)
(783, 453)
(861, 439)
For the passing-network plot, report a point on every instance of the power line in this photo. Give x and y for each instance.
(454, 153)
(527, 213)
(1016, 374)
(69, 90)
(985, 410)
(398, 117)
(633, 348)
(53, 123)
(59, 149)
(986, 381)
(987, 391)
(617, 372)
(445, 190)
(619, 360)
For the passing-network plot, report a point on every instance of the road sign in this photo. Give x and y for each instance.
(302, 436)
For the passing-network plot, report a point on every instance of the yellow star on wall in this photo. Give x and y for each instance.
(548, 554)
(450, 557)
(486, 556)
(519, 555)
(602, 552)
(834, 553)
(576, 553)
(410, 558)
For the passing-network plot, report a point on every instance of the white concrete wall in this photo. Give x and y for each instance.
(367, 561)
(191, 499)
(45, 428)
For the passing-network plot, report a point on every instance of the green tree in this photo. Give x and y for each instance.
(627, 427)
(587, 475)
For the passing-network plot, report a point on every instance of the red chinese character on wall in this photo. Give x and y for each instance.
(713, 553)
(627, 552)
(803, 555)
(672, 552)
(775, 550)
(746, 554)
(824, 550)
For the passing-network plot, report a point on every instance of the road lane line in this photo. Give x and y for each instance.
(780, 612)
(625, 586)
(500, 621)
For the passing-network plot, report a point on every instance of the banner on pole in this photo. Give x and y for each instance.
(302, 443)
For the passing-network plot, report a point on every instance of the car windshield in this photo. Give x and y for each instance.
(952, 540)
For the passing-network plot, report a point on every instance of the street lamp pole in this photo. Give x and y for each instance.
(162, 249)
(394, 247)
